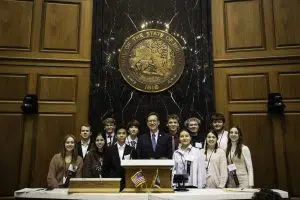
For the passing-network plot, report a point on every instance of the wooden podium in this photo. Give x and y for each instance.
(149, 169)
(94, 185)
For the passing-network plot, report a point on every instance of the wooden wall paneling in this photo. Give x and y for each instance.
(291, 129)
(63, 32)
(11, 146)
(28, 132)
(268, 81)
(61, 25)
(281, 173)
(86, 30)
(279, 149)
(218, 29)
(244, 25)
(57, 88)
(13, 86)
(245, 87)
(16, 25)
(272, 68)
(286, 26)
(252, 29)
(50, 131)
(82, 107)
(78, 78)
(65, 93)
(258, 137)
(289, 85)
(221, 92)
(45, 44)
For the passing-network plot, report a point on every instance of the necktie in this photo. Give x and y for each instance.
(153, 142)
(110, 142)
(173, 144)
(133, 143)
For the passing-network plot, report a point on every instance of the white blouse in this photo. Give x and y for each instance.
(216, 168)
(247, 156)
(197, 175)
(222, 140)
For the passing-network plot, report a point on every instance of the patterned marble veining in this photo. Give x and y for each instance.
(110, 96)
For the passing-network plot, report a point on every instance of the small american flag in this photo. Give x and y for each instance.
(156, 180)
(138, 179)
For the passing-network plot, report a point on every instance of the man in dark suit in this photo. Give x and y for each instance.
(155, 144)
(109, 129)
(113, 156)
(84, 145)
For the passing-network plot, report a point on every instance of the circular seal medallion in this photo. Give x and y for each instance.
(151, 60)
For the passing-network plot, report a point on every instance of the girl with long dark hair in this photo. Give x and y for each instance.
(239, 159)
(93, 162)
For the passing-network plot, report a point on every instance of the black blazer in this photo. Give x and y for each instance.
(79, 149)
(163, 147)
(199, 138)
(112, 164)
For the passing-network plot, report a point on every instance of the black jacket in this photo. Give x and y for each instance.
(163, 147)
(112, 164)
(79, 149)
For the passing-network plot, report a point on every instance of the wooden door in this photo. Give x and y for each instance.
(44, 50)
(256, 47)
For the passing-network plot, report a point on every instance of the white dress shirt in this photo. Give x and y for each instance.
(222, 140)
(197, 175)
(84, 147)
(121, 150)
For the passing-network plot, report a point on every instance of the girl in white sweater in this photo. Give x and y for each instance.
(239, 161)
(216, 164)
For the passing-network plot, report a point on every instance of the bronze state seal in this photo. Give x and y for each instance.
(151, 60)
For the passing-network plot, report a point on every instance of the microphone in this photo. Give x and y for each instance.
(70, 174)
(188, 167)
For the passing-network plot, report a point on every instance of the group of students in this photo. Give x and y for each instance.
(216, 160)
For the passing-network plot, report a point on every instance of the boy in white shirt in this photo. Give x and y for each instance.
(218, 122)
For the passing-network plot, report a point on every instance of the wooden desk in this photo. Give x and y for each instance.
(192, 194)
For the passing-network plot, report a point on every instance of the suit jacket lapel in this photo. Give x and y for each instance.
(116, 153)
(79, 148)
(158, 139)
(90, 144)
(127, 151)
(115, 139)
